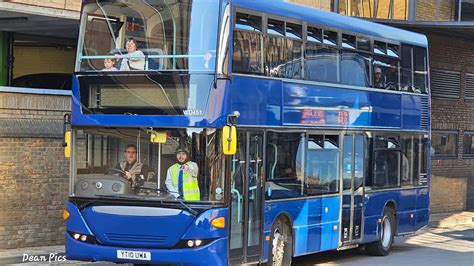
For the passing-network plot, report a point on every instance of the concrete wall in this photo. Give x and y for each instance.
(33, 171)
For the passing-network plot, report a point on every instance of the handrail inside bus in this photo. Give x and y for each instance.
(239, 200)
(145, 56)
(275, 160)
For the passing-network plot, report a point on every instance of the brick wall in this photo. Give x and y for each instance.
(430, 10)
(321, 4)
(448, 53)
(74, 5)
(445, 196)
(33, 171)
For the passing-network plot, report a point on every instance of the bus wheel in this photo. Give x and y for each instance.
(281, 244)
(387, 233)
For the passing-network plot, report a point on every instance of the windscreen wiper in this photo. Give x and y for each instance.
(94, 200)
(193, 212)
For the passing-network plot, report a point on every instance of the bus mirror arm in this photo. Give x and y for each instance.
(218, 77)
(67, 135)
(66, 126)
(232, 118)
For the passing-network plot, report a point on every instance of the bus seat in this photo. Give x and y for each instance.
(155, 63)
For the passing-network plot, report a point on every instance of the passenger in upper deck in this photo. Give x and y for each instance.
(391, 76)
(137, 62)
(378, 78)
(109, 65)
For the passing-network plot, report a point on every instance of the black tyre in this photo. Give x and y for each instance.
(387, 233)
(281, 244)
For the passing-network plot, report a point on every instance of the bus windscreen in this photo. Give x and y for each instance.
(146, 35)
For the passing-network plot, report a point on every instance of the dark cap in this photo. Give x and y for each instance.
(178, 150)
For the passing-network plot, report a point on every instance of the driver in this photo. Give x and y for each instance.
(131, 167)
(181, 177)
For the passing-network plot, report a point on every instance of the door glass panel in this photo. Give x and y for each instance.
(347, 185)
(254, 193)
(358, 186)
(353, 185)
(237, 200)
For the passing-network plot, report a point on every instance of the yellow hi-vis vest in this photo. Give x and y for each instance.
(190, 184)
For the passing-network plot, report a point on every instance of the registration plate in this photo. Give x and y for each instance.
(133, 255)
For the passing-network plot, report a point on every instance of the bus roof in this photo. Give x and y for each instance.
(331, 19)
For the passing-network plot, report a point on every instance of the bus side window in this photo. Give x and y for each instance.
(247, 55)
(284, 165)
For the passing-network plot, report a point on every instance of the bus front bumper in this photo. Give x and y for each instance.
(214, 253)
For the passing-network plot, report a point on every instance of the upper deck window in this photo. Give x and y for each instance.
(406, 79)
(294, 31)
(314, 35)
(148, 35)
(321, 63)
(393, 50)
(276, 27)
(421, 69)
(380, 48)
(363, 44)
(247, 54)
(348, 41)
(330, 37)
(248, 22)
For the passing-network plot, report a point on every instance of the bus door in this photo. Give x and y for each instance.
(352, 189)
(246, 199)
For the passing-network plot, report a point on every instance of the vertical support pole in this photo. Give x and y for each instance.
(159, 167)
(3, 59)
(411, 10)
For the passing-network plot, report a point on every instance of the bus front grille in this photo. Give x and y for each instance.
(135, 238)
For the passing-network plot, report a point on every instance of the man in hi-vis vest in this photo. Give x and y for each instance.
(181, 178)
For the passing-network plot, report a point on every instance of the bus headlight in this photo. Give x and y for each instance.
(193, 243)
(190, 243)
(83, 237)
(196, 243)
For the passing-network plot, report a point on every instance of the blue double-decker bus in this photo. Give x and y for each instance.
(294, 130)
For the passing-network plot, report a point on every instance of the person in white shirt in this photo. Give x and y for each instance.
(137, 58)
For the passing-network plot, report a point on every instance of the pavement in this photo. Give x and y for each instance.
(446, 220)
(54, 255)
